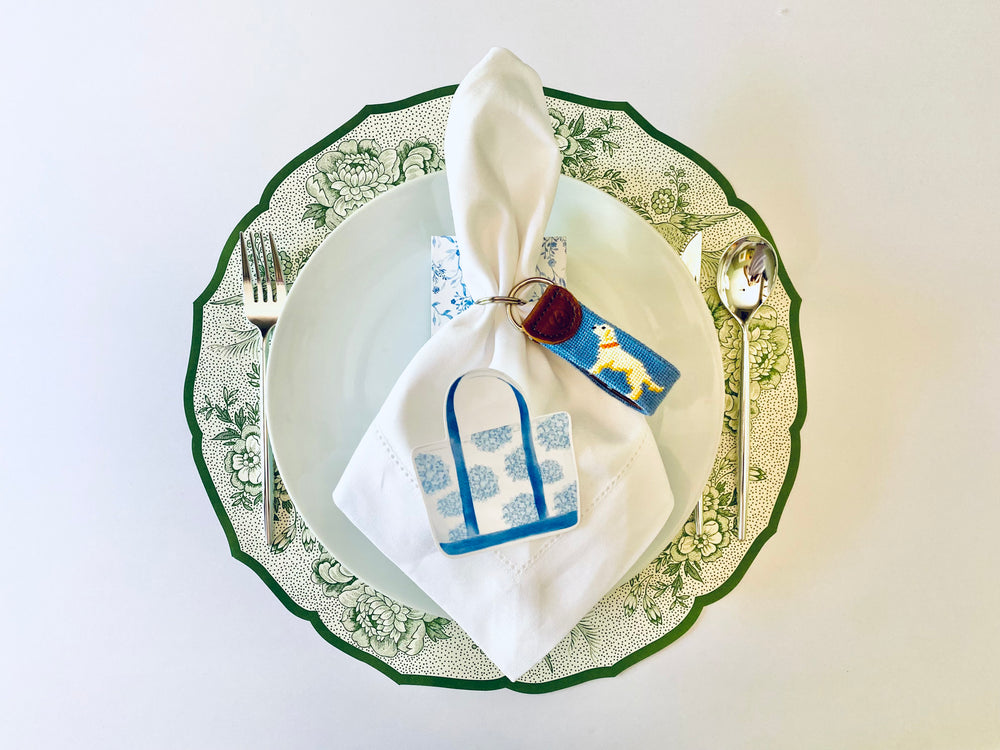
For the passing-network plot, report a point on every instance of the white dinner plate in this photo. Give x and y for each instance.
(359, 310)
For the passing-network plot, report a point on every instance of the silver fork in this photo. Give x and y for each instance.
(263, 299)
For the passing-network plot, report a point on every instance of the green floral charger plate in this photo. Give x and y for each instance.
(610, 146)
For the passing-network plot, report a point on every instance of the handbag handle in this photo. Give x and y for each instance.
(454, 438)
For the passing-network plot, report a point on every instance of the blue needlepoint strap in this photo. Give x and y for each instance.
(615, 361)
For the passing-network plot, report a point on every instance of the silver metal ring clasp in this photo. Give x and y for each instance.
(499, 299)
(512, 300)
(520, 287)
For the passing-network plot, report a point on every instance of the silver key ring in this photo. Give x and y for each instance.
(520, 287)
(503, 299)
(512, 300)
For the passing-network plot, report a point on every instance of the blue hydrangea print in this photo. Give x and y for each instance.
(520, 511)
(493, 440)
(553, 432)
(566, 500)
(551, 471)
(483, 483)
(450, 505)
(515, 465)
(457, 534)
(432, 472)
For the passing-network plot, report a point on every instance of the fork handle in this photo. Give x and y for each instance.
(267, 464)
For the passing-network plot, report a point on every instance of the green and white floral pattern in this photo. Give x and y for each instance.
(355, 172)
(679, 194)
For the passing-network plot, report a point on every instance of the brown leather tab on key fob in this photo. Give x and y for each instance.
(555, 317)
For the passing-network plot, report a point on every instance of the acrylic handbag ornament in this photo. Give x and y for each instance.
(500, 485)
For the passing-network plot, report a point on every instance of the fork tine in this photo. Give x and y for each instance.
(268, 291)
(247, 286)
(279, 277)
(258, 288)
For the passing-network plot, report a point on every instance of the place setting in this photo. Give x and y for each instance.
(498, 386)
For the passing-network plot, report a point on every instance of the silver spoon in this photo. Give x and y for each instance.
(746, 271)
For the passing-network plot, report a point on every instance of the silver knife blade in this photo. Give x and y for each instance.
(691, 256)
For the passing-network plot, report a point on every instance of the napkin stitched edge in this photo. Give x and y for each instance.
(387, 447)
(517, 571)
(605, 491)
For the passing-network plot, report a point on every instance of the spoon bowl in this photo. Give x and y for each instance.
(746, 272)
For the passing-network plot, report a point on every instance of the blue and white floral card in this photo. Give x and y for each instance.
(449, 297)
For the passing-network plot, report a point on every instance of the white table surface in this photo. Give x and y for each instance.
(135, 136)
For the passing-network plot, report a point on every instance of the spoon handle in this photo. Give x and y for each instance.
(743, 438)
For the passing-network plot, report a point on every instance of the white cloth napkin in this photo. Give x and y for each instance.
(519, 601)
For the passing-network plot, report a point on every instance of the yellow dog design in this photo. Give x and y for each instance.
(611, 356)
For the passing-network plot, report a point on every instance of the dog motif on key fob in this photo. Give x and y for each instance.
(610, 355)
(616, 362)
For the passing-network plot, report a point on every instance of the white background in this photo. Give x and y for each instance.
(135, 135)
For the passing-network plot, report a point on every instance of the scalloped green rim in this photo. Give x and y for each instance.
(451, 682)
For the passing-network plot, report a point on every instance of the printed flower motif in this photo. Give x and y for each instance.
(243, 462)
(483, 483)
(458, 533)
(490, 441)
(706, 546)
(516, 467)
(418, 158)
(567, 500)
(446, 271)
(715, 498)
(461, 302)
(768, 348)
(279, 487)
(310, 542)
(769, 353)
(732, 413)
(331, 575)
(520, 511)
(719, 313)
(377, 622)
(291, 264)
(548, 257)
(432, 471)
(450, 505)
(553, 432)
(662, 201)
(551, 471)
(283, 538)
(351, 175)
(566, 142)
(282, 500)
